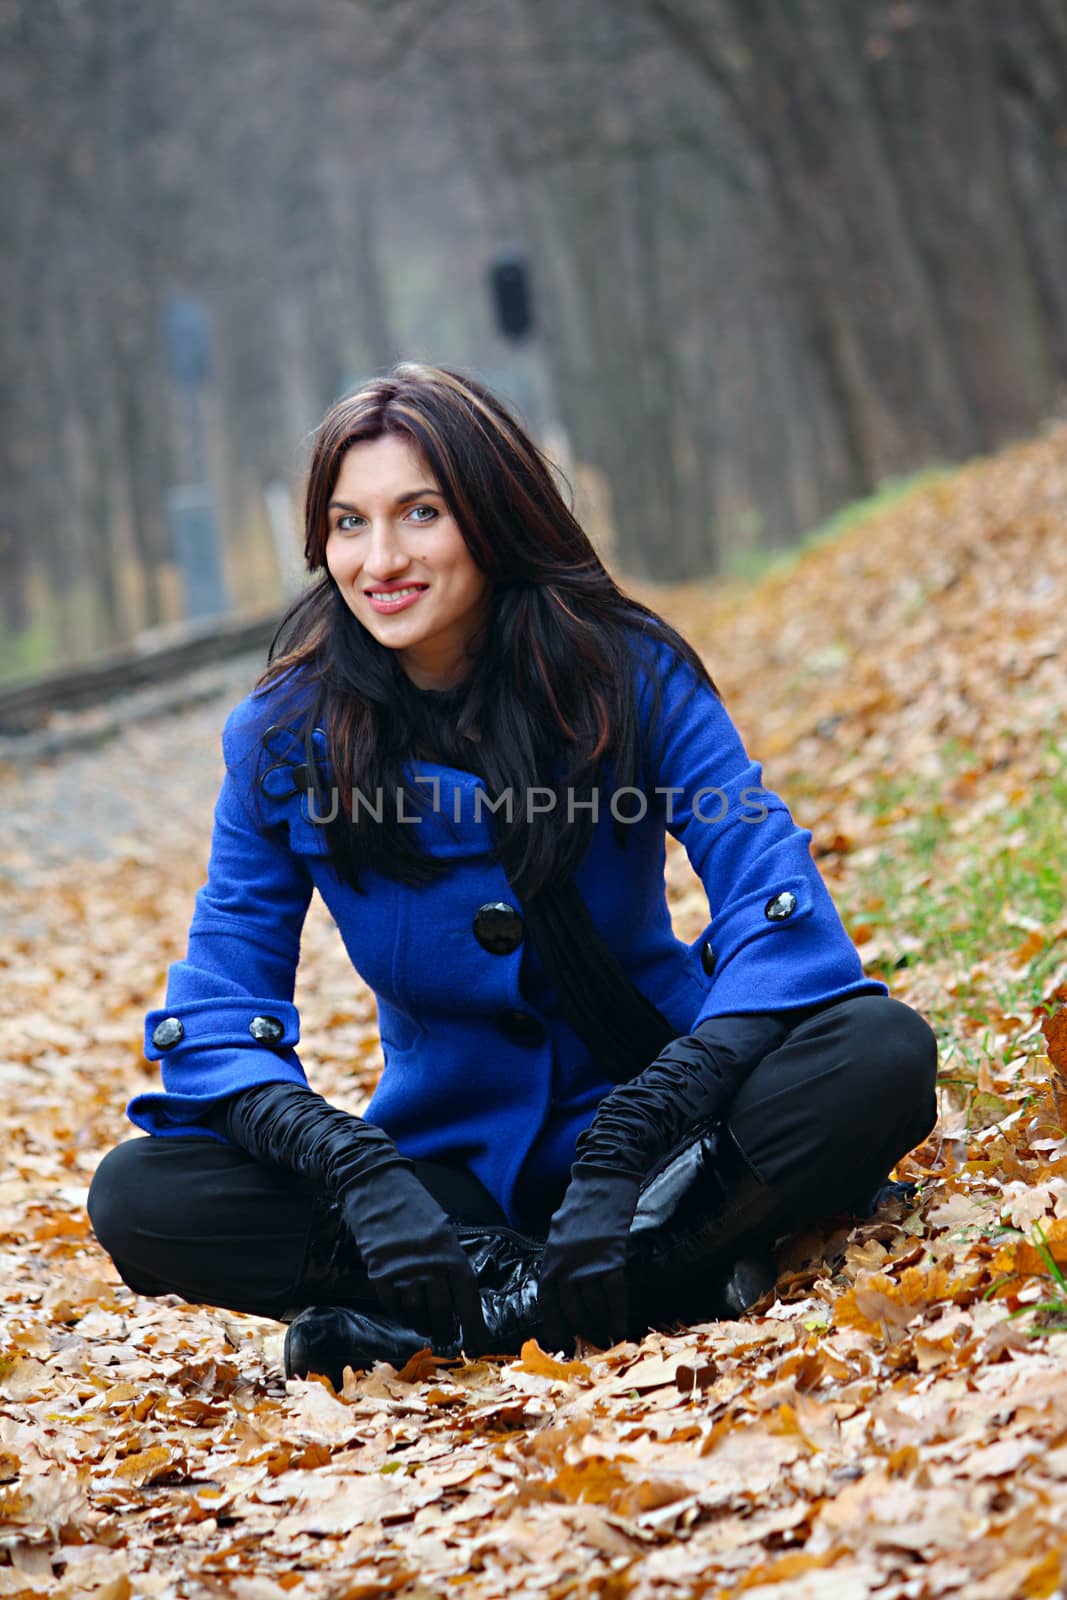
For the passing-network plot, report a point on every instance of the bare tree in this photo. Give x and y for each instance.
(778, 253)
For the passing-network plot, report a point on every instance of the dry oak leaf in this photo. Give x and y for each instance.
(876, 1301)
(1055, 1030)
(147, 1465)
(595, 1480)
(598, 1481)
(1043, 1579)
(533, 1359)
(790, 1565)
(53, 1504)
(332, 1504)
(1031, 946)
(1023, 1255)
(422, 1366)
(22, 1377)
(650, 1372)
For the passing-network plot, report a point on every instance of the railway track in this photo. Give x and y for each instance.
(81, 705)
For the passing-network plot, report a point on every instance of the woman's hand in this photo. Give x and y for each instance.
(582, 1287)
(583, 1281)
(415, 1262)
(417, 1266)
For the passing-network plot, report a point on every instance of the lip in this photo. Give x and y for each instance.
(381, 599)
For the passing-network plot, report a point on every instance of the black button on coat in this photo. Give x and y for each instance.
(498, 927)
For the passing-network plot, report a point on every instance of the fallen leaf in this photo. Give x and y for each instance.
(534, 1359)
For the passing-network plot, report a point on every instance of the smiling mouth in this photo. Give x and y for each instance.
(395, 594)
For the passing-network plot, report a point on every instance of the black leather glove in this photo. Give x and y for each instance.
(416, 1265)
(692, 1079)
(582, 1286)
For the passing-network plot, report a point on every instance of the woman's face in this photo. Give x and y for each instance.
(389, 529)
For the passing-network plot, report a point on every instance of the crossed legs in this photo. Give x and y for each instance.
(819, 1124)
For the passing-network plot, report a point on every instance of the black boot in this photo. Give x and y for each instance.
(703, 1237)
(703, 1233)
(893, 1189)
(693, 1256)
(701, 1247)
(328, 1337)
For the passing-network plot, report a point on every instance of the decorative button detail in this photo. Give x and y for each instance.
(498, 927)
(521, 1026)
(168, 1033)
(708, 957)
(290, 774)
(267, 1030)
(780, 906)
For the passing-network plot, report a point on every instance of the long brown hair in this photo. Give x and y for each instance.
(552, 675)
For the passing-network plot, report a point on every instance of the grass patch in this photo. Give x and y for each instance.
(975, 889)
(28, 652)
(1050, 1314)
(62, 628)
(749, 564)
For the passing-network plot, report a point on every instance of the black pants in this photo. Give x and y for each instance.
(823, 1118)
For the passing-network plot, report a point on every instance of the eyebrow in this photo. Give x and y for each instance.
(401, 499)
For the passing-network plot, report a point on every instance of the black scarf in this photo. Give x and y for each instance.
(622, 1028)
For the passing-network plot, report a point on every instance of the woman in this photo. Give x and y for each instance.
(472, 743)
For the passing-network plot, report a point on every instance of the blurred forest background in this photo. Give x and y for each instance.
(780, 253)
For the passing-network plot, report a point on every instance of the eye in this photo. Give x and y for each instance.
(347, 522)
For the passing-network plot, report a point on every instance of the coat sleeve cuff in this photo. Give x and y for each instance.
(180, 1113)
(209, 1049)
(778, 948)
(177, 1032)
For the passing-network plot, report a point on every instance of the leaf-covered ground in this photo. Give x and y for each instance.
(894, 1422)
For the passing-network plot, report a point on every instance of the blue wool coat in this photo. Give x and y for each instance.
(462, 1081)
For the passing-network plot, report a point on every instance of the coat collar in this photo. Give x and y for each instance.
(455, 818)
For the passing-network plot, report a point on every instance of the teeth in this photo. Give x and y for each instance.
(394, 594)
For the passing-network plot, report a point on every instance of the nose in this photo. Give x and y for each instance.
(386, 557)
